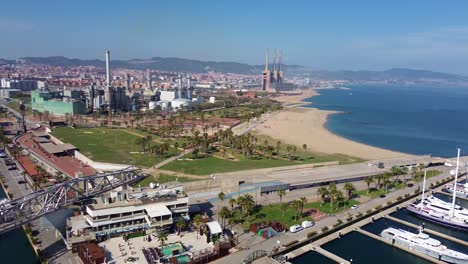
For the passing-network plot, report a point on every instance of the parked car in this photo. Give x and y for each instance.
(21, 182)
(2, 154)
(307, 224)
(295, 228)
(13, 167)
(354, 207)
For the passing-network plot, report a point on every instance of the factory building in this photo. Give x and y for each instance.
(58, 103)
(273, 81)
(176, 98)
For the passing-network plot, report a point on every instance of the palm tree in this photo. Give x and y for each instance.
(284, 207)
(349, 187)
(162, 238)
(369, 180)
(232, 202)
(278, 147)
(297, 204)
(224, 213)
(180, 225)
(176, 146)
(197, 220)
(281, 193)
(379, 178)
(221, 197)
(304, 147)
(303, 201)
(396, 171)
(323, 192)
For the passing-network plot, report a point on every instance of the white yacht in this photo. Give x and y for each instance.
(439, 211)
(461, 190)
(424, 244)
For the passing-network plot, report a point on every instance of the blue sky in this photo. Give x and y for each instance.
(375, 35)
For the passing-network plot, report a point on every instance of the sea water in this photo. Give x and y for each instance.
(410, 119)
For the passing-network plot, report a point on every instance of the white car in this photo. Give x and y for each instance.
(354, 207)
(307, 224)
(295, 228)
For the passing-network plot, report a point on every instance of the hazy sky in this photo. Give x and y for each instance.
(322, 34)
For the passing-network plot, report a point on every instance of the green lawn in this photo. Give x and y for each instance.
(210, 164)
(163, 178)
(108, 145)
(275, 213)
(205, 166)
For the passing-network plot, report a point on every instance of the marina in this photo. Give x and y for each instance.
(346, 247)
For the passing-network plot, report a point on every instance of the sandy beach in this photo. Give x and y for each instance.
(307, 126)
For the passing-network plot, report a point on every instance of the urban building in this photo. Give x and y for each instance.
(8, 93)
(126, 211)
(23, 85)
(58, 102)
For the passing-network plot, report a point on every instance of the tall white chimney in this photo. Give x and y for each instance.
(108, 80)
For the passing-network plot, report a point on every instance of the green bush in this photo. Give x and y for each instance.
(406, 195)
(389, 202)
(325, 229)
(369, 211)
(291, 243)
(338, 222)
(359, 214)
(311, 234)
(399, 198)
(378, 207)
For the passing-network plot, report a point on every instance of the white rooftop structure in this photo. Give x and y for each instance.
(214, 227)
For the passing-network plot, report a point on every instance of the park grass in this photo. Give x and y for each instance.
(308, 156)
(273, 212)
(15, 105)
(163, 178)
(211, 164)
(108, 145)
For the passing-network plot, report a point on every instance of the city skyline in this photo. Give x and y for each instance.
(330, 36)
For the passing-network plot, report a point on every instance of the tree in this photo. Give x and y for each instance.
(162, 238)
(297, 204)
(232, 202)
(304, 147)
(284, 207)
(396, 171)
(197, 220)
(278, 147)
(180, 225)
(303, 201)
(369, 180)
(349, 187)
(224, 213)
(221, 197)
(323, 193)
(176, 146)
(281, 193)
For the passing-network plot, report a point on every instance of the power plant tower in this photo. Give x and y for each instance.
(108, 68)
(108, 90)
(179, 86)
(275, 72)
(148, 79)
(266, 75)
(280, 71)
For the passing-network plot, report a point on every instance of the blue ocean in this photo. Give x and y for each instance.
(410, 119)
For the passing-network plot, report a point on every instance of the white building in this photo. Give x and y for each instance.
(23, 85)
(128, 211)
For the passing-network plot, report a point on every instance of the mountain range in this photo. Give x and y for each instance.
(198, 66)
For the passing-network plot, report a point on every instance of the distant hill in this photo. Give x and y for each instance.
(396, 74)
(156, 63)
(198, 66)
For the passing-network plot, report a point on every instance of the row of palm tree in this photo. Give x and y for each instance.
(333, 194)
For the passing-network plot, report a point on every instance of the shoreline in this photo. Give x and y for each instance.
(300, 125)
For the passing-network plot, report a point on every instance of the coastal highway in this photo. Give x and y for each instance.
(308, 175)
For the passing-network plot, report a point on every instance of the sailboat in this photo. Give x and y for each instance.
(441, 212)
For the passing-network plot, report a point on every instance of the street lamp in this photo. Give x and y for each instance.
(212, 179)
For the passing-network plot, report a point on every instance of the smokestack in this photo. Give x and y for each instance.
(107, 68)
(266, 60)
(179, 85)
(274, 62)
(280, 59)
